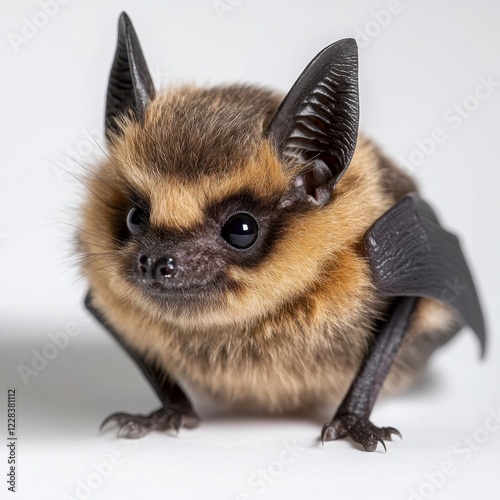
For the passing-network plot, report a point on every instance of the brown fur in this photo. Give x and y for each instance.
(296, 328)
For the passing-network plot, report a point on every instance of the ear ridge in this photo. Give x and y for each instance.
(317, 122)
(130, 86)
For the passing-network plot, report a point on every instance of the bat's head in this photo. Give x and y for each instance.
(220, 205)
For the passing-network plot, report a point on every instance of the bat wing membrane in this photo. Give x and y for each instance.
(411, 254)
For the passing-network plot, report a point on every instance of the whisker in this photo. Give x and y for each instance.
(84, 168)
(102, 150)
(76, 263)
(113, 207)
(116, 240)
(110, 273)
(92, 243)
(81, 258)
(93, 174)
(135, 202)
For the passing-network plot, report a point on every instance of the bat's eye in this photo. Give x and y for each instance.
(240, 231)
(136, 220)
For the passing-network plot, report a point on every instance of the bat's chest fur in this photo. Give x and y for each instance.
(277, 364)
(269, 368)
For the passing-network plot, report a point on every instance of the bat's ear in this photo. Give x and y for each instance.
(130, 86)
(317, 123)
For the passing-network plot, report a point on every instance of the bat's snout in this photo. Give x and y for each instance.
(155, 271)
(171, 268)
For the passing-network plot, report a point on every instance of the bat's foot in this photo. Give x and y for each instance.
(359, 429)
(137, 426)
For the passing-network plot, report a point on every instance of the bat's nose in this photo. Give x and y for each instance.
(157, 270)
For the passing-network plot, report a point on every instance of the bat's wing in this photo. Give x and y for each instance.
(412, 255)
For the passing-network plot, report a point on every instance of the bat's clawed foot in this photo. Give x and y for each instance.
(163, 419)
(359, 429)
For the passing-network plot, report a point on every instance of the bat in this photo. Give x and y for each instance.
(258, 249)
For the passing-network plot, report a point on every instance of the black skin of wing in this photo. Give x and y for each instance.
(176, 410)
(410, 256)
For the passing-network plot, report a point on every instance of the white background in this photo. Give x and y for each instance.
(428, 57)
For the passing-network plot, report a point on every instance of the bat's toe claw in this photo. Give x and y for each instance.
(136, 426)
(332, 430)
(389, 431)
(359, 429)
(134, 429)
(374, 447)
(118, 418)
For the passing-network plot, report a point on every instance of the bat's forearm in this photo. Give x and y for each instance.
(352, 416)
(377, 364)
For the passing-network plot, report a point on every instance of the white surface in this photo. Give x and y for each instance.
(429, 57)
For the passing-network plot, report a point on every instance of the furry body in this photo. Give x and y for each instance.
(290, 325)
